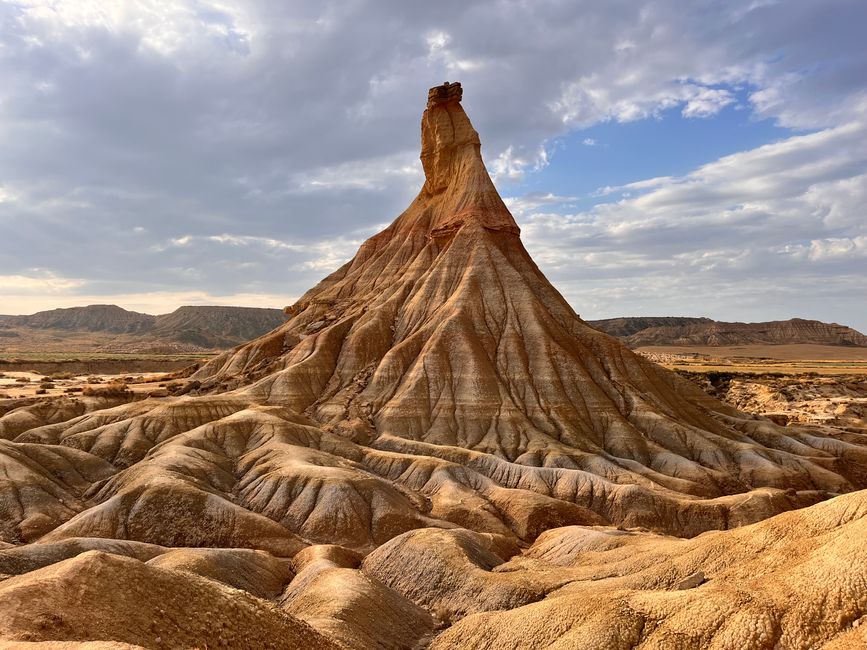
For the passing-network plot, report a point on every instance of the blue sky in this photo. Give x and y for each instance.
(661, 157)
(615, 153)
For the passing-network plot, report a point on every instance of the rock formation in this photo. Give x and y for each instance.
(434, 449)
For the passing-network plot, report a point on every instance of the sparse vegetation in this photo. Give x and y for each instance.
(114, 389)
(443, 616)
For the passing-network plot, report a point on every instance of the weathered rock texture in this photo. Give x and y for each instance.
(433, 449)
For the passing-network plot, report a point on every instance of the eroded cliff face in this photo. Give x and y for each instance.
(433, 435)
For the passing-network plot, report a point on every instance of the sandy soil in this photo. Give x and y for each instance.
(23, 385)
(787, 359)
(790, 384)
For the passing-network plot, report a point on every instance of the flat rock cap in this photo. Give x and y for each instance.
(448, 92)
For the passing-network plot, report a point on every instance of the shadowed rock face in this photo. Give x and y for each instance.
(433, 449)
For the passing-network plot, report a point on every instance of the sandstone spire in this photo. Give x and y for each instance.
(433, 440)
(441, 337)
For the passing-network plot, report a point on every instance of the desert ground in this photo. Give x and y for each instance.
(807, 384)
(823, 359)
(434, 450)
(803, 383)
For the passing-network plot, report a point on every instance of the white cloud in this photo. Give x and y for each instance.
(439, 54)
(370, 174)
(511, 166)
(708, 102)
(165, 26)
(40, 283)
(527, 203)
(151, 302)
(829, 249)
(628, 188)
(320, 256)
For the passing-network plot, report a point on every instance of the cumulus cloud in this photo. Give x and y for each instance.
(125, 126)
(37, 283)
(511, 166)
(708, 102)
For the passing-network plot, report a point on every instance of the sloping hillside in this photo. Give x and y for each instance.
(93, 318)
(217, 327)
(630, 325)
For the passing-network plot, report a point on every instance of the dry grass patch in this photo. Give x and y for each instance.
(114, 389)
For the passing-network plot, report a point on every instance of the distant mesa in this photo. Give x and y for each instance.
(641, 331)
(112, 328)
(93, 318)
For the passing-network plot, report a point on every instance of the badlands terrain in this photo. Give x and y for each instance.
(433, 451)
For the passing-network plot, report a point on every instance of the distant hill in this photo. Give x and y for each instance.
(641, 331)
(112, 328)
(109, 328)
(218, 327)
(93, 318)
(629, 325)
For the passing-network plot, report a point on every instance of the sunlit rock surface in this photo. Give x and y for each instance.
(433, 449)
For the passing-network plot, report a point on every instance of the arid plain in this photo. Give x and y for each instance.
(435, 450)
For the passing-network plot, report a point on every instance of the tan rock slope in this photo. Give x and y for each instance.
(434, 449)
